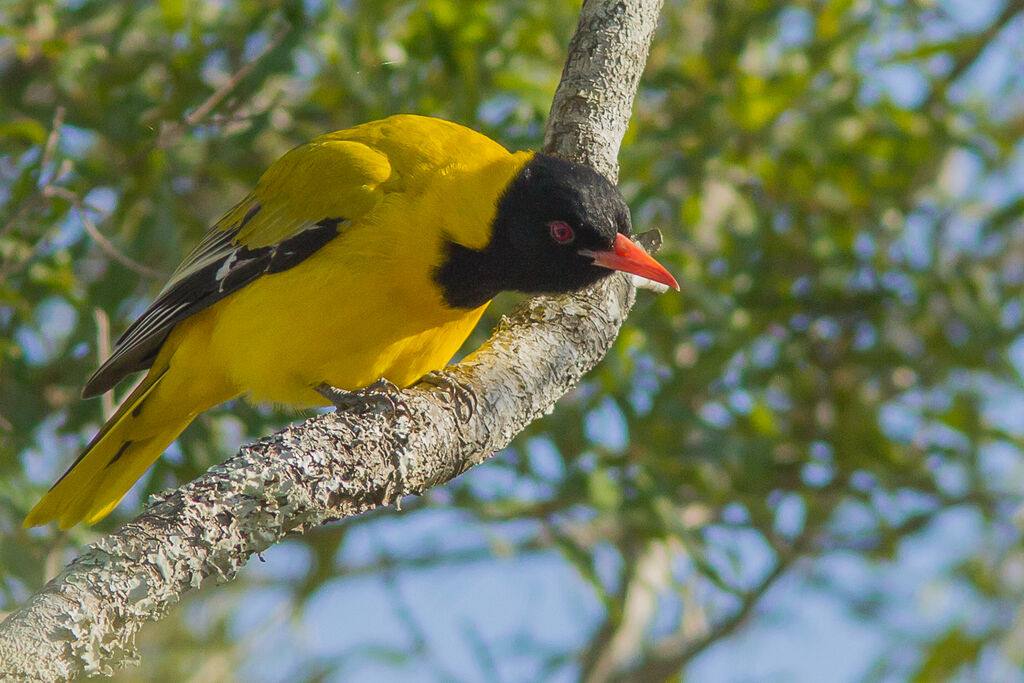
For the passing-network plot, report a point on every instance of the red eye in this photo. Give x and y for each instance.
(561, 232)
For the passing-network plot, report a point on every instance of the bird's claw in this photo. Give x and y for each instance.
(458, 392)
(341, 398)
(382, 393)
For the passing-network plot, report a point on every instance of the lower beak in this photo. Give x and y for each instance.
(627, 256)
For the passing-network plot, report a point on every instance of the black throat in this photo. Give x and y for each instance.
(469, 278)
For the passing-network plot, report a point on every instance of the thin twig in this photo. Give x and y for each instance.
(104, 243)
(979, 43)
(213, 100)
(112, 251)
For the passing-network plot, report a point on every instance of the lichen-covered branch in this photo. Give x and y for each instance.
(332, 466)
(592, 106)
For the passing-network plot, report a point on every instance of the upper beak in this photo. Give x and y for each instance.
(627, 256)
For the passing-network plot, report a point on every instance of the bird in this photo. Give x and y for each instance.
(365, 254)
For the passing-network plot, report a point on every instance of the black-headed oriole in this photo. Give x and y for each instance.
(367, 253)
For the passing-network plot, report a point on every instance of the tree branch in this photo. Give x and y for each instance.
(332, 466)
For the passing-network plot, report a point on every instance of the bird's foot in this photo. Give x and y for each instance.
(382, 394)
(458, 392)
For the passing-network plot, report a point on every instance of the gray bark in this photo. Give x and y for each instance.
(332, 466)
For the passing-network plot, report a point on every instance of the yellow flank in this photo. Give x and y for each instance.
(363, 306)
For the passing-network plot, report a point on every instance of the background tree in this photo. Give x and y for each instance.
(824, 427)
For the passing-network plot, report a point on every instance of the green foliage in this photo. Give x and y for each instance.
(839, 187)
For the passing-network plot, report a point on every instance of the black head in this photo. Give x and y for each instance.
(551, 211)
(559, 227)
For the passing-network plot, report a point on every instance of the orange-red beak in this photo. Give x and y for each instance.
(626, 256)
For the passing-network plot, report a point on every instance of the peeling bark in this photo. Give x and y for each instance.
(332, 466)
